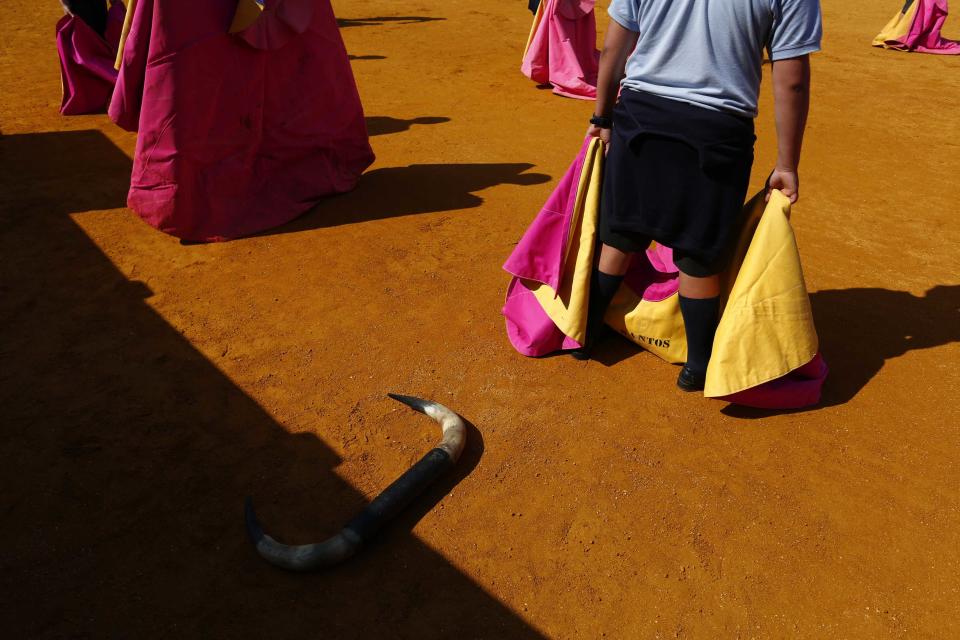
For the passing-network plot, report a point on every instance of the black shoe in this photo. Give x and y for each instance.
(586, 351)
(689, 380)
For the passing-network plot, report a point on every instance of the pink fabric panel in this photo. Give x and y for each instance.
(563, 51)
(86, 62)
(655, 278)
(924, 35)
(529, 328)
(800, 388)
(539, 254)
(231, 140)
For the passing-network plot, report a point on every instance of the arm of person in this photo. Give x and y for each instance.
(617, 47)
(791, 95)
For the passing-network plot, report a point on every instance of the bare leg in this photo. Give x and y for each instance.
(698, 288)
(613, 261)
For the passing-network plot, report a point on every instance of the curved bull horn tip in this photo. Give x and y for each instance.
(305, 557)
(454, 429)
(414, 403)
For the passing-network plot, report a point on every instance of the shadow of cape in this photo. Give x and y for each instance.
(861, 329)
(126, 456)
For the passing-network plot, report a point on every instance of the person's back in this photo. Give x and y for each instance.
(680, 139)
(709, 52)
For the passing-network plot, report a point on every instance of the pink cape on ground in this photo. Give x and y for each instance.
(539, 258)
(86, 62)
(923, 33)
(237, 132)
(563, 48)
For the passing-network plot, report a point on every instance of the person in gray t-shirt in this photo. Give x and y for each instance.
(680, 139)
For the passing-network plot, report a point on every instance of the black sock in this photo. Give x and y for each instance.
(603, 287)
(700, 317)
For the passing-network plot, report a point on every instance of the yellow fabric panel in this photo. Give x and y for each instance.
(247, 13)
(568, 306)
(131, 6)
(752, 212)
(537, 17)
(766, 329)
(655, 326)
(898, 26)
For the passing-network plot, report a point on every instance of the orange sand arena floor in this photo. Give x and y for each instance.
(147, 387)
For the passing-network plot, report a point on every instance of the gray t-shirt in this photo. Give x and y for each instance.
(709, 52)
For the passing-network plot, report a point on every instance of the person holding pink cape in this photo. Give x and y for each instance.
(247, 114)
(562, 48)
(677, 95)
(87, 39)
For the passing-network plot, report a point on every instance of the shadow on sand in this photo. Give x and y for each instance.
(382, 125)
(418, 188)
(343, 23)
(861, 329)
(126, 456)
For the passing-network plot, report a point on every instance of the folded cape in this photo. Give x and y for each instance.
(917, 28)
(240, 129)
(562, 48)
(86, 62)
(765, 352)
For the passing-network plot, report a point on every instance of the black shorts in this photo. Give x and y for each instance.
(677, 174)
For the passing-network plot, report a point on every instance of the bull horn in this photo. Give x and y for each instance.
(381, 510)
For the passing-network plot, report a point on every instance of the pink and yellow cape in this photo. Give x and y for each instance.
(766, 349)
(917, 28)
(562, 48)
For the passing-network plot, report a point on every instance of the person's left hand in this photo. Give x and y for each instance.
(596, 132)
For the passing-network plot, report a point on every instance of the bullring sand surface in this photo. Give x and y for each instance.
(147, 386)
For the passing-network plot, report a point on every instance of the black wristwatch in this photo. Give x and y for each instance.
(601, 121)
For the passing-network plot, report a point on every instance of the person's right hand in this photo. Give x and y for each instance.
(596, 132)
(787, 181)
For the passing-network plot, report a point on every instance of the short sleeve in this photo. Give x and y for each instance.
(625, 13)
(797, 29)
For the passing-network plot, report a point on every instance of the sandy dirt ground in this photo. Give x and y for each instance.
(146, 387)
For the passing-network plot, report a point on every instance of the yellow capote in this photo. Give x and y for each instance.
(131, 6)
(537, 17)
(766, 329)
(568, 306)
(655, 326)
(897, 28)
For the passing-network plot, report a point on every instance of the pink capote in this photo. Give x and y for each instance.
(86, 62)
(563, 49)
(924, 35)
(237, 132)
(539, 257)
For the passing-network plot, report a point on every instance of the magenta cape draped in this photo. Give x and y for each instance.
(922, 33)
(237, 132)
(563, 48)
(86, 62)
(539, 258)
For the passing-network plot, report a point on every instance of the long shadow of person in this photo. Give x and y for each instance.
(126, 454)
(861, 329)
(418, 188)
(381, 125)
